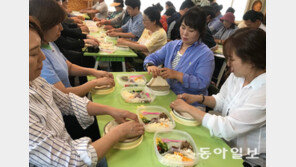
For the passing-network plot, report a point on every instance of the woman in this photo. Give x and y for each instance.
(257, 6)
(168, 5)
(57, 68)
(188, 63)
(242, 98)
(228, 28)
(153, 36)
(49, 142)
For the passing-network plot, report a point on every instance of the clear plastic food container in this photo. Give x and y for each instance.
(128, 80)
(184, 118)
(175, 148)
(155, 118)
(137, 95)
(126, 144)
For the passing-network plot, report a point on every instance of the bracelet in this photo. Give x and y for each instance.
(203, 99)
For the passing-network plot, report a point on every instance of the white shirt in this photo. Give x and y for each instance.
(263, 27)
(243, 120)
(102, 8)
(49, 142)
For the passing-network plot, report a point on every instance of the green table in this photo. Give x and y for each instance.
(144, 154)
(118, 55)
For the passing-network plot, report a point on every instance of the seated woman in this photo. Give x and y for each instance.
(242, 98)
(49, 142)
(188, 63)
(57, 68)
(153, 37)
(228, 28)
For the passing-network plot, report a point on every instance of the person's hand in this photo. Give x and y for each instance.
(93, 38)
(180, 105)
(84, 28)
(121, 41)
(77, 21)
(129, 129)
(113, 34)
(189, 98)
(108, 27)
(96, 19)
(155, 71)
(91, 42)
(121, 115)
(83, 10)
(81, 18)
(167, 73)
(109, 31)
(99, 74)
(101, 22)
(104, 81)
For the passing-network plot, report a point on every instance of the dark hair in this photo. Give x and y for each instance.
(35, 25)
(170, 4)
(248, 44)
(209, 11)
(121, 3)
(170, 12)
(195, 18)
(253, 16)
(158, 7)
(256, 2)
(217, 7)
(186, 4)
(230, 9)
(153, 15)
(48, 12)
(133, 3)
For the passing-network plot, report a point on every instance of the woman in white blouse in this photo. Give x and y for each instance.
(242, 98)
(49, 142)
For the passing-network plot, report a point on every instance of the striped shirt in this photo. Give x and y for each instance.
(49, 142)
(176, 60)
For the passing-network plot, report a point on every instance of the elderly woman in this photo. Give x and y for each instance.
(242, 98)
(188, 63)
(153, 36)
(49, 142)
(228, 28)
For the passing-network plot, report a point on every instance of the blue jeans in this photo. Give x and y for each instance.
(102, 163)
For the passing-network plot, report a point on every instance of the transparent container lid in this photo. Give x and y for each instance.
(175, 148)
(128, 80)
(155, 118)
(137, 94)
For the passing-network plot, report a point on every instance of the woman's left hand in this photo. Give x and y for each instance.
(121, 116)
(100, 74)
(180, 105)
(167, 73)
(121, 41)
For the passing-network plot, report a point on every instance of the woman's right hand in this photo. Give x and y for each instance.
(155, 71)
(91, 42)
(104, 81)
(129, 129)
(189, 98)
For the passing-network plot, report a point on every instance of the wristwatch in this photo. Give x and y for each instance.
(149, 64)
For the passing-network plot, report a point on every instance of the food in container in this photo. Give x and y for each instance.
(175, 148)
(155, 118)
(137, 95)
(159, 86)
(128, 80)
